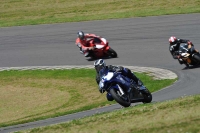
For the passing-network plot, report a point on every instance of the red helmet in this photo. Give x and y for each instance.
(172, 40)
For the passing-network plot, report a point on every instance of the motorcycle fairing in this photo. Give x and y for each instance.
(104, 40)
(104, 78)
(99, 46)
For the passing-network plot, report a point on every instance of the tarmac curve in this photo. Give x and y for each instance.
(140, 43)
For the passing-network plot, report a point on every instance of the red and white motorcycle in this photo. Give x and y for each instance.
(101, 49)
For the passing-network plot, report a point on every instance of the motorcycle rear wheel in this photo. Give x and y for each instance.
(197, 57)
(119, 99)
(112, 53)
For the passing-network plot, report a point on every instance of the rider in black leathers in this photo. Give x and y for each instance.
(100, 64)
(174, 44)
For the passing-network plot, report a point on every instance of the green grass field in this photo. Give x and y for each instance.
(175, 116)
(49, 93)
(33, 95)
(32, 12)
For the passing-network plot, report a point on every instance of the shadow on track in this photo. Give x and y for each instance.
(191, 67)
(93, 59)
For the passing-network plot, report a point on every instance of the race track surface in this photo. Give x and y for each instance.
(141, 42)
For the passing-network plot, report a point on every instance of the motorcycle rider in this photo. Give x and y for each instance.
(174, 44)
(84, 40)
(100, 64)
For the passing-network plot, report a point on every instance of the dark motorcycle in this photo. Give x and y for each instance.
(118, 89)
(188, 57)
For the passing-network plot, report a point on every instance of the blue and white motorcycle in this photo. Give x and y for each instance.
(118, 89)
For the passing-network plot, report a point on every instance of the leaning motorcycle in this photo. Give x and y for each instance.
(188, 57)
(101, 49)
(118, 88)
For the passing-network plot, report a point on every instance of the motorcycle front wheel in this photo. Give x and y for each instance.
(124, 101)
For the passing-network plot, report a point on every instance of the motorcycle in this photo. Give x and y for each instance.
(101, 49)
(118, 88)
(188, 57)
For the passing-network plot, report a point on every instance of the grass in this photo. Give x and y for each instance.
(174, 116)
(32, 95)
(33, 12)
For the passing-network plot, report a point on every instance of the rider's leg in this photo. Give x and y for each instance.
(181, 61)
(139, 83)
(81, 50)
(131, 75)
(86, 53)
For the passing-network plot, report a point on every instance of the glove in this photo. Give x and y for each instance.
(101, 90)
(119, 69)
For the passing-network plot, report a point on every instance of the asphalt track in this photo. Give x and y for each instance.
(141, 42)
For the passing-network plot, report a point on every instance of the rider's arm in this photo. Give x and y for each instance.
(91, 35)
(87, 48)
(97, 78)
(173, 52)
(78, 43)
(190, 44)
(182, 40)
(115, 68)
(191, 47)
(84, 45)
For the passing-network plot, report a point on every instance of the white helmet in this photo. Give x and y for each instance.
(99, 64)
(81, 35)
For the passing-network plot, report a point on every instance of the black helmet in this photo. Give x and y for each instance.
(99, 64)
(81, 35)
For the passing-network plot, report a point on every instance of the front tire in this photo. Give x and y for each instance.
(123, 102)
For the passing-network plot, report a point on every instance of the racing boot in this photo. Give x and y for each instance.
(180, 61)
(81, 51)
(186, 65)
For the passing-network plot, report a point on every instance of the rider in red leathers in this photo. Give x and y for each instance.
(85, 41)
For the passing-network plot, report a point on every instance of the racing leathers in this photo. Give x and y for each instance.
(85, 44)
(126, 72)
(174, 49)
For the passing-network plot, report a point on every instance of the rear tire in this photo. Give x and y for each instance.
(118, 99)
(112, 53)
(197, 57)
